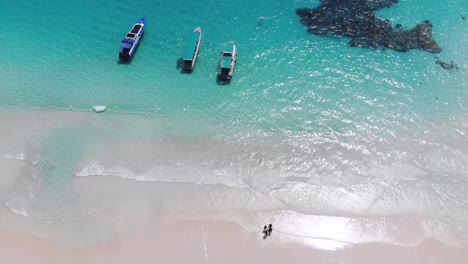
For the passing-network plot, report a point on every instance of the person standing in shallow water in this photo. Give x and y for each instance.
(260, 20)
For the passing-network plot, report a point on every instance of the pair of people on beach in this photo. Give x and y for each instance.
(267, 231)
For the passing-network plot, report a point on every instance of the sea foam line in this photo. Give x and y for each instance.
(159, 174)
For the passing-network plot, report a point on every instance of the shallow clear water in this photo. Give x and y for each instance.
(308, 124)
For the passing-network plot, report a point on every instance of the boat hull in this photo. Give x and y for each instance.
(227, 62)
(129, 56)
(131, 42)
(189, 61)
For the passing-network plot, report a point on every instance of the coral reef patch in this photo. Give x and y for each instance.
(356, 19)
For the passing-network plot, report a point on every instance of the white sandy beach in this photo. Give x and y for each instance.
(137, 199)
(215, 242)
(133, 233)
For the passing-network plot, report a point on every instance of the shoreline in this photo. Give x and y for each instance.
(156, 175)
(215, 242)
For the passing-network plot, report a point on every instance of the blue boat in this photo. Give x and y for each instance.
(129, 44)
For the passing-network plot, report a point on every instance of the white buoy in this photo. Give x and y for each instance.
(99, 108)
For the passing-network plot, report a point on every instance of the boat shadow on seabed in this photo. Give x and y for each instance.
(180, 66)
(220, 81)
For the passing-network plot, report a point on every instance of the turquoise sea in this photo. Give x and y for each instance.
(308, 125)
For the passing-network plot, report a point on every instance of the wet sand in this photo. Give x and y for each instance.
(214, 242)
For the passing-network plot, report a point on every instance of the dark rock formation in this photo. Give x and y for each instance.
(447, 65)
(356, 19)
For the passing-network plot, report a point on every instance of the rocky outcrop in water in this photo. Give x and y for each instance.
(447, 65)
(356, 19)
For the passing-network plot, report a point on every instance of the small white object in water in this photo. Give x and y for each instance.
(99, 108)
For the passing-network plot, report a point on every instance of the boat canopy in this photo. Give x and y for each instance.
(126, 43)
(136, 29)
(191, 46)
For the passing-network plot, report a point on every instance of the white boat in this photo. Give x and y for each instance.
(191, 50)
(99, 108)
(227, 61)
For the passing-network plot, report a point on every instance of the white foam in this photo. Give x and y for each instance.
(166, 174)
(17, 156)
(16, 209)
